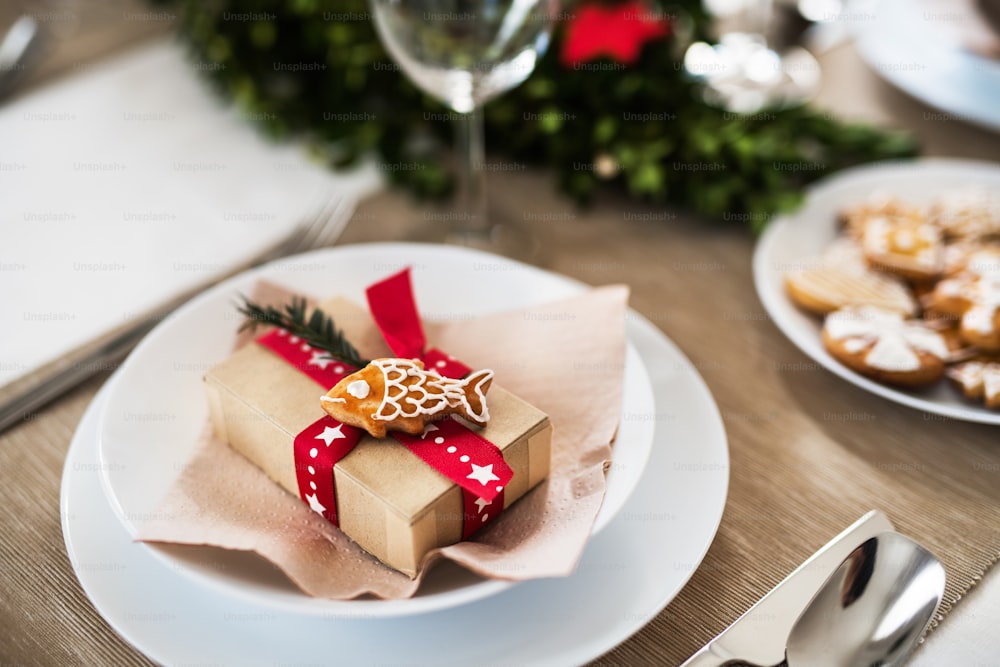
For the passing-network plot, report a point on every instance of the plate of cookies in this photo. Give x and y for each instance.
(889, 276)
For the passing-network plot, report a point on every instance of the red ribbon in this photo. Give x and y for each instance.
(324, 442)
(461, 455)
(394, 309)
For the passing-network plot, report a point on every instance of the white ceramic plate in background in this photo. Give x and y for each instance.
(793, 239)
(902, 43)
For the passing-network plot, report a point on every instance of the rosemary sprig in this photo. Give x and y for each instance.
(317, 328)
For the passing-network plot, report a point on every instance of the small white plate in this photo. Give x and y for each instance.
(793, 239)
(627, 574)
(156, 405)
(902, 43)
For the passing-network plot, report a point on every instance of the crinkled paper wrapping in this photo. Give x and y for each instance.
(565, 357)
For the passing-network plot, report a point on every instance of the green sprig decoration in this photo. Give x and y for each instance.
(316, 69)
(316, 328)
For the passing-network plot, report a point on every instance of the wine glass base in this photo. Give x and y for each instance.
(508, 240)
(742, 75)
(503, 239)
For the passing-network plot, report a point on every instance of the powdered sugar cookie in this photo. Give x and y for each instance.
(967, 213)
(883, 345)
(855, 218)
(977, 259)
(975, 301)
(909, 247)
(979, 379)
(842, 278)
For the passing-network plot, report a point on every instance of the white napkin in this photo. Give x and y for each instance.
(125, 184)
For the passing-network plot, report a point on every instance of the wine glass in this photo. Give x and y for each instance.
(464, 53)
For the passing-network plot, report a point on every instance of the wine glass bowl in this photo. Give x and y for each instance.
(464, 53)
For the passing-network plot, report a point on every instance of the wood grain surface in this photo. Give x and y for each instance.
(810, 452)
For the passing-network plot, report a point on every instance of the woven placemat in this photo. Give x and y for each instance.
(810, 453)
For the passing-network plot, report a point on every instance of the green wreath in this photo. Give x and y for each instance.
(316, 69)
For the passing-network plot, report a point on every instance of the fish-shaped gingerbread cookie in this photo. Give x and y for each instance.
(401, 395)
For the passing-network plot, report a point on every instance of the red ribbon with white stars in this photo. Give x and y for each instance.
(323, 443)
(448, 446)
(458, 453)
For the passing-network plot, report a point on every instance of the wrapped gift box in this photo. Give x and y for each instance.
(393, 504)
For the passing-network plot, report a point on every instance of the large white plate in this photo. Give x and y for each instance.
(627, 574)
(903, 44)
(156, 405)
(792, 239)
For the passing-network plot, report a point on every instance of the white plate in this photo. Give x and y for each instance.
(792, 239)
(156, 405)
(627, 574)
(904, 47)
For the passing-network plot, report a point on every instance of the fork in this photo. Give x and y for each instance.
(19, 49)
(19, 399)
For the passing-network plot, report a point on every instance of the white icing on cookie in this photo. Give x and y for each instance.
(975, 374)
(889, 354)
(896, 341)
(855, 345)
(972, 211)
(984, 294)
(359, 389)
(984, 263)
(950, 287)
(903, 239)
(991, 381)
(876, 238)
(966, 374)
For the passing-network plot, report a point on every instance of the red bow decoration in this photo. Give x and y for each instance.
(452, 449)
(618, 32)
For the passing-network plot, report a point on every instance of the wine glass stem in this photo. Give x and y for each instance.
(472, 178)
(760, 18)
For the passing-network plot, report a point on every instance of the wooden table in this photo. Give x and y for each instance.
(45, 618)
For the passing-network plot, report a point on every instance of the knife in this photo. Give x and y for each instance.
(759, 635)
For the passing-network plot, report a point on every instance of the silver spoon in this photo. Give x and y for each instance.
(872, 610)
(17, 47)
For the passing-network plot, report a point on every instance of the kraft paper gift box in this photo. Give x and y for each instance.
(393, 504)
